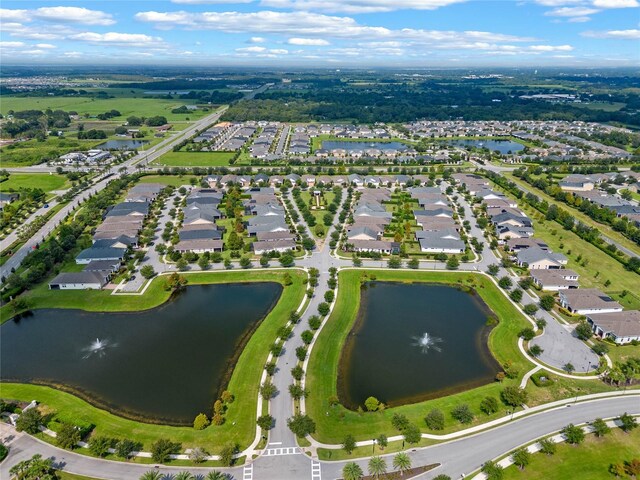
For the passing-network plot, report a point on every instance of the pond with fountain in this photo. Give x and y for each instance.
(412, 342)
(164, 365)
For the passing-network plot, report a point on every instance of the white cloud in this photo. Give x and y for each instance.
(73, 15)
(251, 49)
(571, 12)
(22, 31)
(632, 34)
(550, 48)
(318, 42)
(12, 44)
(120, 39)
(9, 15)
(615, 3)
(45, 45)
(279, 51)
(211, 2)
(579, 19)
(359, 6)
(257, 40)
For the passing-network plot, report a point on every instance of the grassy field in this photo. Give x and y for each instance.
(604, 106)
(32, 152)
(172, 180)
(239, 426)
(43, 181)
(334, 422)
(589, 461)
(141, 107)
(605, 229)
(195, 159)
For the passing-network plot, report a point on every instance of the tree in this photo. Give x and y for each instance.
(627, 422)
(323, 308)
(412, 434)
(147, 272)
(600, 427)
(513, 396)
(227, 397)
(414, 263)
(527, 334)
(36, 468)
(182, 264)
(297, 392)
(352, 471)
(505, 282)
(301, 425)
(268, 390)
(435, 419)
(382, 441)
(547, 446)
(125, 448)
(29, 421)
(184, 476)
(215, 475)
(377, 467)
(521, 458)
(372, 404)
(68, 436)
(493, 269)
(245, 262)
(489, 405)
(357, 261)
(462, 413)
(394, 262)
(402, 462)
(399, 421)
(492, 470)
(442, 476)
(175, 282)
(536, 350)
(516, 295)
(198, 455)
(583, 330)
(453, 263)
(617, 470)
(600, 349)
(547, 302)
(349, 444)
(100, 446)
(151, 475)
(227, 453)
(632, 467)
(286, 260)
(530, 308)
(572, 434)
(301, 353)
(201, 422)
(569, 368)
(265, 422)
(162, 448)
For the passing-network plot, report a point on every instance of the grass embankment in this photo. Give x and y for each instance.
(588, 461)
(195, 159)
(239, 426)
(605, 229)
(334, 423)
(43, 181)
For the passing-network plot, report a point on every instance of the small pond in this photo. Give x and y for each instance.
(503, 146)
(166, 364)
(122, 144)
(350, 146)
(412, 342)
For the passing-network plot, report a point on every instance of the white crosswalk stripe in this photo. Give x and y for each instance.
(247, 473)
(316, 470)
(273, 452)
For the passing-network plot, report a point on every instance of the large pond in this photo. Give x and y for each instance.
(412, 342)
(502, 146)
(122, 144)
(166, 364)
(350, 146)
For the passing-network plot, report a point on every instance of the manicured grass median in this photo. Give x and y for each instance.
(589, 461)
(239, 426)
(335, 422)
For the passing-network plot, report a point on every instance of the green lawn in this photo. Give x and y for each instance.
(141, 107)
(621, 353)
(588, 461)
(171, 180)
(32, 152)
(334, 423)
(604, 106)
(195, 159)
(239, 426)
(62, 475)
(43, 181)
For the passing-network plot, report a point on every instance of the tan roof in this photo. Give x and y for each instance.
(622, 324)
(587, 298)
(555, 277)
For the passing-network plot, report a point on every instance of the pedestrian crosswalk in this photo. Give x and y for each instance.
(247, 473)
(316, 470)
(272, 452)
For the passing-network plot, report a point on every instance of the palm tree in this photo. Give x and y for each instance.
(377, 467)
(184, 476)
(215, 475)
(402, 462)
(352, 471)
(151, 475)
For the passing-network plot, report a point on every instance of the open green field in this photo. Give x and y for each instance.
(588, 461)
(239, 426)
(43, 181)
(171, 180)
(335, 422)
(316, 142)
(196, 159)
(31, 152)
(604, 106)
(605, 229)
(141, 107)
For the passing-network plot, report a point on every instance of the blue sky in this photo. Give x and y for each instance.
(323, 33)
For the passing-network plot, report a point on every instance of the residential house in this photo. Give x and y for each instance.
(621, 327)
(585, 301)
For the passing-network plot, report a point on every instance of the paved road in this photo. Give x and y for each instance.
(142, 158)
(457, 457)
